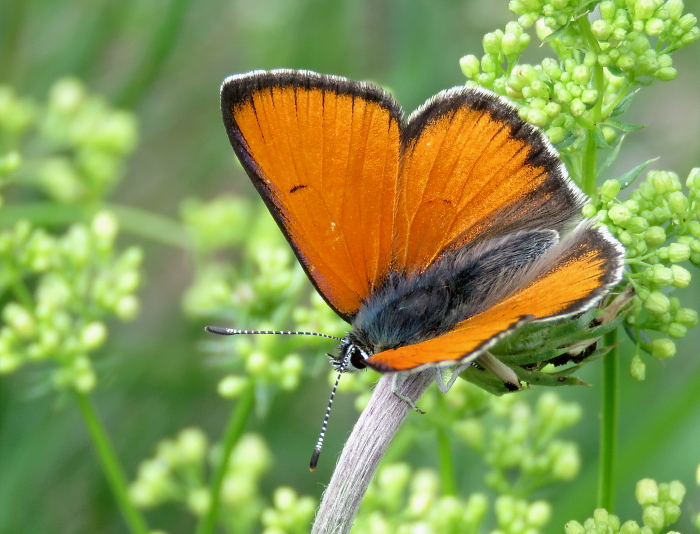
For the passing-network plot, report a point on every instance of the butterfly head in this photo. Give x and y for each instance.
(351, 356)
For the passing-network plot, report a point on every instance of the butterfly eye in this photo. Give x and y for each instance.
(357, 358)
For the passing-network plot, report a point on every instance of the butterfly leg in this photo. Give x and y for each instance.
(443, 386)
(395, 384)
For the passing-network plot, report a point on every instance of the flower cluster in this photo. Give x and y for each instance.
(290, 513)
(598, 62)
(178, 471)
(63, 289)
(660, 504)
(524, 441)
(87, 142)
(660, 228)
(59, 288)
(401, 501)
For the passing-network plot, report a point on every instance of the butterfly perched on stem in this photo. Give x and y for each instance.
(433, 236)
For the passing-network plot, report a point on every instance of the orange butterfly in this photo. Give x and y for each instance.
(433, 236)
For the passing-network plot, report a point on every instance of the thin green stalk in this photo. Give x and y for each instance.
(608, 426)
(110, 465)
(589, 172)
(234, 429)
(446, 464)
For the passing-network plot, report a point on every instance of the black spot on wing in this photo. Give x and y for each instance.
(297, 188)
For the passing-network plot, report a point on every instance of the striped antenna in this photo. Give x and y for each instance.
(222, 331)
(319, 443)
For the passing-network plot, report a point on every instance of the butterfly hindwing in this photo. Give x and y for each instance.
(323, 152)
(568, 279)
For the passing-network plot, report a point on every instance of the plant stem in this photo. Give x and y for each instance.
(446, 465)
(111, 466)
(589, 171)
(234, 429)
(445, 460)
(608, 426)
(365, 447)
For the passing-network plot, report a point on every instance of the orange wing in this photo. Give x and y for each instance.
(569, 279)
(323, 152)
(472, 169)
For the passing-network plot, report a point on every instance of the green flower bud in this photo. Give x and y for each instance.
(686, 316)
(626, 238)
(647, 491)
(681, 276)
(492, 43)
(581, 75)
(666, 74)
(657, 303)
(626, 62)
(637, 368)
(689, 37)
(556, 135)
(567, 463)
(537, 117)
(678, 252)
(602, 29)
(637, 225)
(609, 190)
(663, 348)
(654, 27)
(538, 514)
(578, 108)
(676, 330)
(618, 34)
(19, 319)
(93, 335)
(644, 9)
(630, 527)
(653, 517)
(607, 9)
(589, 211)
(489, 63)
(470, 66)
(475, 509)
(198, 501)
(675, 9)
(232, 386)
(574, 527)
(127, 307)
(619, 214)
(510, 44)
(659, 275)
(678, 204)
(676, 493)
(687, 21)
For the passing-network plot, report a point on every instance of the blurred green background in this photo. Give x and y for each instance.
(165, 60)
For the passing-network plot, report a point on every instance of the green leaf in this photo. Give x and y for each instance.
(624, 104)
(625, 126)
(600, 140)
(644, 82)
(613, 154)
(557, 33)
(616, 71)
(585, 8)
(631, 175)
(569, 138)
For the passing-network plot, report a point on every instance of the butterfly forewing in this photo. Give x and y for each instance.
(471, 169)
(323, 152)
